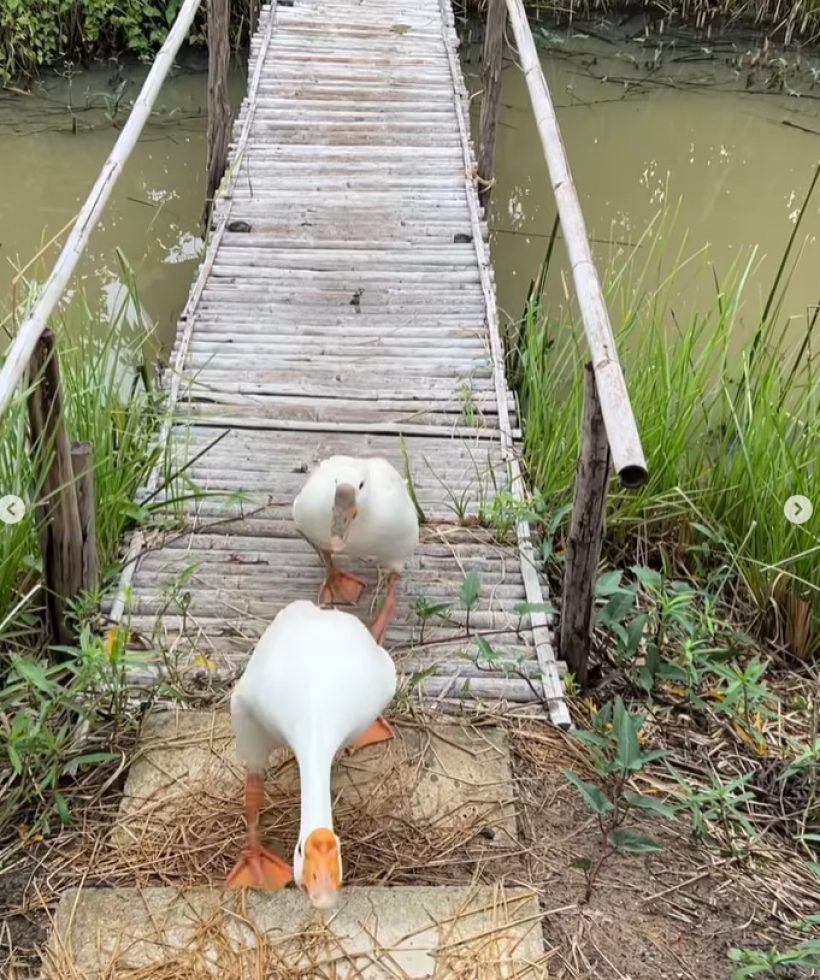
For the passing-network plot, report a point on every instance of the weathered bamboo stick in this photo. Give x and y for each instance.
(219, 106)
(585, 535)
(19, 355)
(490, 96)
(58, 514)
(253, 16)
(82, 462)
(624, 441)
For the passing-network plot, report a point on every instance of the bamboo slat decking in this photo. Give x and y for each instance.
(346, 304)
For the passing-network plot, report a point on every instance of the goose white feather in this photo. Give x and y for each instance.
(385, 526)
(316, 682)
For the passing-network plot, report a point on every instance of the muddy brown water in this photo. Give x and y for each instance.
(54, 142)
(692, 139)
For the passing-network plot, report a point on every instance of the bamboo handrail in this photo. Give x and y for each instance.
(621, 429)
(19, 354)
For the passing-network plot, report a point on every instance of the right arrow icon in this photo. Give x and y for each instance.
(798, 509)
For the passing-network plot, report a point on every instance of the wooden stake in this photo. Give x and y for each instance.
(82, 463)
(57, 506)
(491, 96)
(253, 19)
(219, 107)
(585, 535)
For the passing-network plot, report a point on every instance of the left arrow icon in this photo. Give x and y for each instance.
(12, 509)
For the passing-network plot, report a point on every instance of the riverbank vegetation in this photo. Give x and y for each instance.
(35, 34)
(707, 619)
(730, 423)
(58, 33)
(53, 707)
(789, 22)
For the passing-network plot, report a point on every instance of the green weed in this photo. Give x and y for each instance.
(756, 963)
(614, 748)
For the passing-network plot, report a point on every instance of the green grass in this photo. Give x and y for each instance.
(730, 425)
(106, 403)
(61, 714)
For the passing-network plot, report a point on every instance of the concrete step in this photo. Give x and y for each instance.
(480, 933)
(403, 804)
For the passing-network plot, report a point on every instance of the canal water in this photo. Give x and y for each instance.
(690, 137)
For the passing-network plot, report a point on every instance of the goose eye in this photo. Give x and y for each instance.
(361, 485)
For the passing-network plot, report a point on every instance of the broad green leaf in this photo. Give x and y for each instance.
(706, 532)
(32, 672)
(651, 580)
(526, 608)
(591, 738)
(808, 923)
(628, 751)
(614, 612)
(650, 805)
(608, 583)
(583, 864)
(591, 794)
(470, 588)
(634, 634)
(14, 758)
(62, 808)
(486, 651)
(631, 843)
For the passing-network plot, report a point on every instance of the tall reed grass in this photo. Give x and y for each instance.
(108, 403)
(730, 424)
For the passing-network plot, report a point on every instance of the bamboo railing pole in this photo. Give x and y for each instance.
(19, 354)
(57, 507)
(490, 96)
(219, 106)
(586, 535)
(622, 431)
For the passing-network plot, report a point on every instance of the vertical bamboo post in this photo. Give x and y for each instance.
(253, 18)
(219, 107)
(82, 464)
(585, 535)
(490, 96)
(57, 506)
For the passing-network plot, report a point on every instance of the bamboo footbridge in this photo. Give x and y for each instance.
(345, 304)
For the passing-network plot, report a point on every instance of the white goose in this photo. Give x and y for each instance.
(361, 508)
(317, 681)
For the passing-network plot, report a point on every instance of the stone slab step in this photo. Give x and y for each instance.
(405, 933)
(439, 788)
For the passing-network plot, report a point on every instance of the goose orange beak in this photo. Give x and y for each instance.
(322, 872)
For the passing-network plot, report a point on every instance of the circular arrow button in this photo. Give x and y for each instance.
(798, 509)
(12, 509)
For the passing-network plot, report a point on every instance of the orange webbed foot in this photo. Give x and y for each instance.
(379, 731)
(258, 867)
(341, 587)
